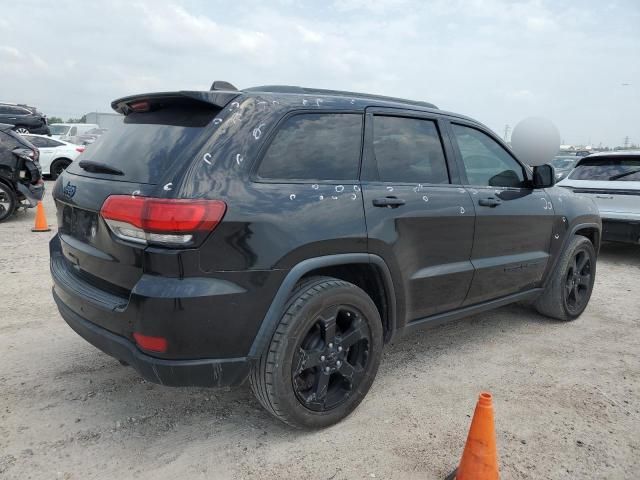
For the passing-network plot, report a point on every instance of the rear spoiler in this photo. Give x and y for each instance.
(216, 98)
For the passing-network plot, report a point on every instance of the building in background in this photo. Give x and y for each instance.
(104, 120)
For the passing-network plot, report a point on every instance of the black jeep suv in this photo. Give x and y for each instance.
(25, 119)
(283, 235)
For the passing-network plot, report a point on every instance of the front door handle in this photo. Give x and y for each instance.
(489, 202)
(389, 202)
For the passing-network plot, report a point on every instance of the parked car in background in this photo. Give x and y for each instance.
(282, 235)
(90, 136)
(70, 132)
(55, 155)
(583, 153)
(23, 118)
(612, 179)
(20, 175)
(563, 164)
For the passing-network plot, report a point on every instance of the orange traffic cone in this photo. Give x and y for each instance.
(480, 457)
(41, 220)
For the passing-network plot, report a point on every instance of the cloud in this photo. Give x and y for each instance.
(495, 60)
(308, 35)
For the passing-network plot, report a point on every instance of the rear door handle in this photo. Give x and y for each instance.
(389, 202)
(489, 202)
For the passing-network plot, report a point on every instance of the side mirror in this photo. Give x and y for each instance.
(544, 176)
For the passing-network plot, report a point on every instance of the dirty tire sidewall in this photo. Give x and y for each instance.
(271, 378)
(9, 202)
(552, 302)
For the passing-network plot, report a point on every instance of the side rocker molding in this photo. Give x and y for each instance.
(271, 319)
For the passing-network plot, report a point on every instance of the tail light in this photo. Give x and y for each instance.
(80, 149)
(170, 222)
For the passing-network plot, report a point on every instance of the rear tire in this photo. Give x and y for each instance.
(571, 284)
(57, 167)
(8, 202)
(323, 357)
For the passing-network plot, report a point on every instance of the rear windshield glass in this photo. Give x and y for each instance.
(146, 146)
(612, 169)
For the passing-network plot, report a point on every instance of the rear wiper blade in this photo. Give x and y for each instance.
(98, 167)
(625, 174)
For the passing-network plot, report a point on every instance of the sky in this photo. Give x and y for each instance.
(496, 61)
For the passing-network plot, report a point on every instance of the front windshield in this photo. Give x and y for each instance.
(613, 169)
(59, 129)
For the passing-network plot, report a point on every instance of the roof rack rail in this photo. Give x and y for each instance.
(319, 91)
(222, 85)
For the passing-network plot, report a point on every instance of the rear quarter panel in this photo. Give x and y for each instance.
(269, 225)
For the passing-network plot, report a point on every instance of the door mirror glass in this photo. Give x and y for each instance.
(543, 176)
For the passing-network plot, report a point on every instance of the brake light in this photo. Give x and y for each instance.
(153, 344)
(143, 106)
(80, 149)
(160, 220)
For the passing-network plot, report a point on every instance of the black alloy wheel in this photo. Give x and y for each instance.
(570, 285)
(7, 202)
(323, 357)
(332, 358)
(578, 282)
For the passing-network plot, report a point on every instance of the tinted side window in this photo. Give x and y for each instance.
(315, 146)
(485, 161)
(408, 150)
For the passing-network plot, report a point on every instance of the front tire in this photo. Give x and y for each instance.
(323, 357)
(8, 202)
(571, 285)
(21, 130)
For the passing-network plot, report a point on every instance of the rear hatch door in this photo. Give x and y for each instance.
(132, 158)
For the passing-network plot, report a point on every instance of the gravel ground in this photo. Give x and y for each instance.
(567, 396)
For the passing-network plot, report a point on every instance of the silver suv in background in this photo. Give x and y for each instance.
(612, 179)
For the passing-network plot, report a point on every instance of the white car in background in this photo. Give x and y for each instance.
(55, 155)
(612, 179)
(71, 132)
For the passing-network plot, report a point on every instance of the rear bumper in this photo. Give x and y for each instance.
(201, 372)
(618, 230)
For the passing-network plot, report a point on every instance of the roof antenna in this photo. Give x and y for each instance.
(222, 85)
